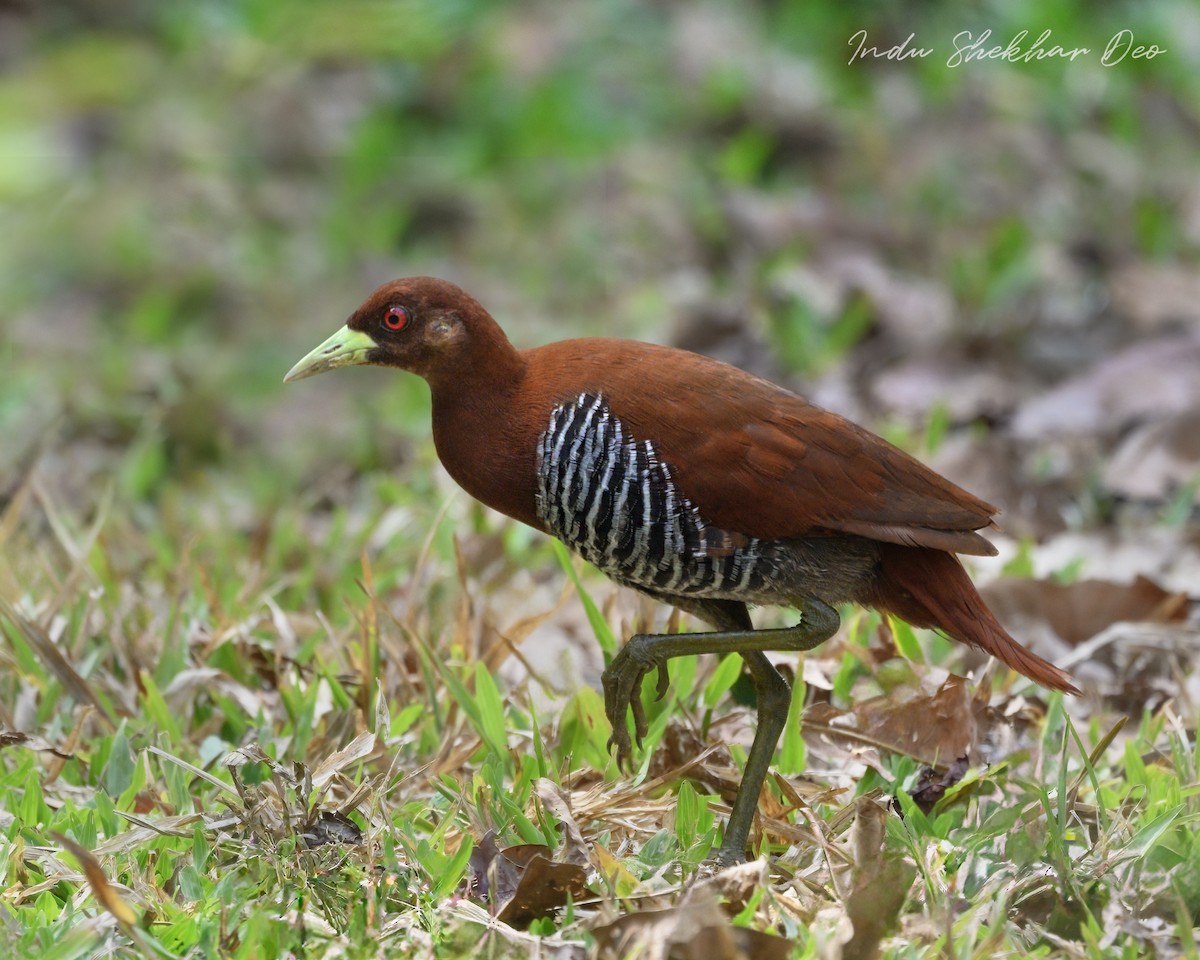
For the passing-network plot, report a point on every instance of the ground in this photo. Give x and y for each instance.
(269, 686)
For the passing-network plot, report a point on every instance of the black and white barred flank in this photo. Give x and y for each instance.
(610, 497)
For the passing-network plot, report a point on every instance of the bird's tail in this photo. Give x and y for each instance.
(930, 588)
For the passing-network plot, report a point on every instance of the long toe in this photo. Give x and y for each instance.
(619, 742)
(664, 682)
(640, 726)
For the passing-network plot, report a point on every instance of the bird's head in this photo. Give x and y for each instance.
(421, 324)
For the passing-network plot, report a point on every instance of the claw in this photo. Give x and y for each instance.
(622, 683)
(620, 743)
(640, 726)
(664, 681)
(623, 695)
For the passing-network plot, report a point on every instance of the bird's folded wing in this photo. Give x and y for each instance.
(766, 463)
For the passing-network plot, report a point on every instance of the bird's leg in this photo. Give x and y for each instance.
(623, 685)
(773, 696)
(644, 652)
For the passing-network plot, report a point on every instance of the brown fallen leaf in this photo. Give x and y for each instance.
(15, 738)
(54, 661)
(327, 827)
(695, 930)
(1148, 378)
(575, 848)
(732, 886)
(102, 890)
(965, 390)
(478, 878)
(1076, 612)
(529, 885)
(358, 749)
(1157, 459)
(1156, 295)
(933, 728)
(873, 886)
(873, 907)
(522, 883)
(932, 784)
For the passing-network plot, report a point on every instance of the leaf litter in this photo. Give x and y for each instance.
(1071, 399)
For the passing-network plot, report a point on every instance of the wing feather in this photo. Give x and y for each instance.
(767, 463)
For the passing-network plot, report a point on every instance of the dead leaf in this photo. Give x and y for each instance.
(331, 827)
(614, 872)
(873, 907)
(1003, 469)
(575, 848)
(873, 886)
(54, 660)
(733, 886)
(14, 738)
(1076, 612)
(678, 754)
(695, 930)
(863, 847)
(1154, 295)
(933, 728)
(932, 785)
(542, 885)
(522, 883)
(1157, 459)
(1139, 667)
(102, 890)
(146, 830)
(357, 749)
(483, 853)
(186, 685)
(1147, 379)
(965, 390)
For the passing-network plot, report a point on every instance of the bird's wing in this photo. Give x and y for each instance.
(764, 462)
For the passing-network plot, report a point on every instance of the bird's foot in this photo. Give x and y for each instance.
(622, 682)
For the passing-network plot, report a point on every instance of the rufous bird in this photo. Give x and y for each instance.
(694, 482)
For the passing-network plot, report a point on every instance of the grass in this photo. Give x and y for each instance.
(268, 688)
(308, 751)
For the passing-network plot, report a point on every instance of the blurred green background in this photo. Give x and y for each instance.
(194, 194)
(993, 264)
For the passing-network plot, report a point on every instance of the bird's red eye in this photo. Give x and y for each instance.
(396, 318)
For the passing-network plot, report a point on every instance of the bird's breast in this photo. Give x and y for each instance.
(609, 495)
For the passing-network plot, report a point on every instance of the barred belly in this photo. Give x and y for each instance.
(609, 496)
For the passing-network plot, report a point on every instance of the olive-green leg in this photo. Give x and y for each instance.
(645, 652)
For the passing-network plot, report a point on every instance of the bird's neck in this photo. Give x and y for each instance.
(483, 435)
